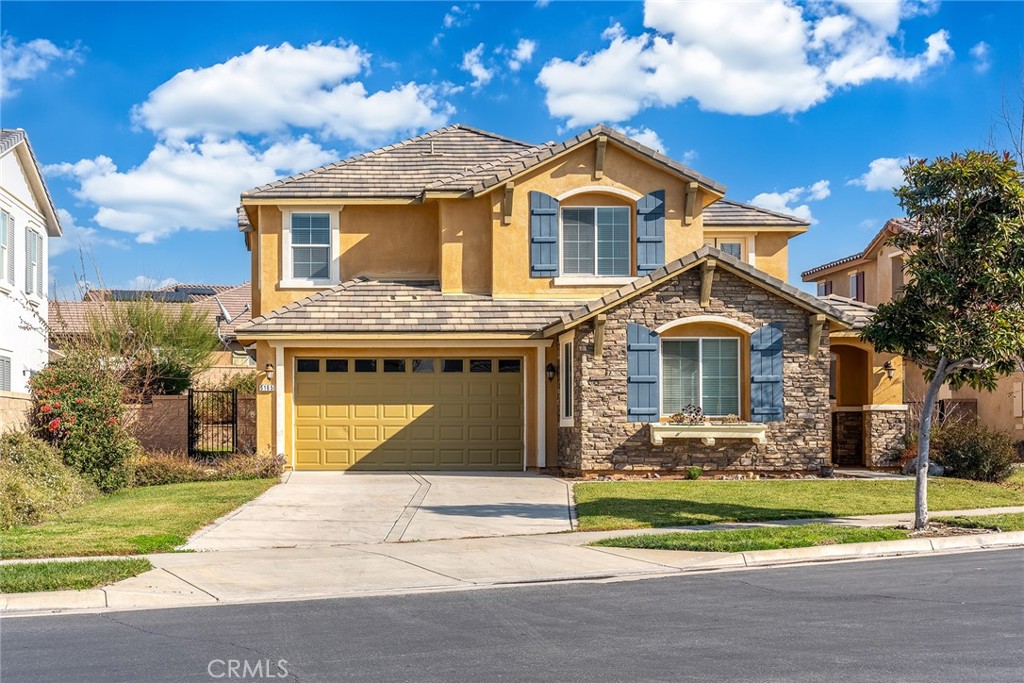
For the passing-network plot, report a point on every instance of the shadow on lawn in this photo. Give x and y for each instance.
(671, 512)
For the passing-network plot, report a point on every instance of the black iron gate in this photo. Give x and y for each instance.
(212, 422)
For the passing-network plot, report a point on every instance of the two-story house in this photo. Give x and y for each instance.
(27, 219)
(858, 283)
(462, 300)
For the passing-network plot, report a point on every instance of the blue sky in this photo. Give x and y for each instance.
(150, 118)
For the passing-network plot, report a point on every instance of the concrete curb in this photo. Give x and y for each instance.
(673, 563)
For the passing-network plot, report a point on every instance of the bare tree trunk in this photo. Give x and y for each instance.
(924, 434)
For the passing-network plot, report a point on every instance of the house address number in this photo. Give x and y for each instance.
(266, 387)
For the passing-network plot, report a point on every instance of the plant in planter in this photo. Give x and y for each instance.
(689, 415)
(728, 420)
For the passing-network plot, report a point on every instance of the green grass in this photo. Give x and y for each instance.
(1016, 477)
(144, 520)
(765, 538)
(644, 504)
(1007, 522)
(55, 576)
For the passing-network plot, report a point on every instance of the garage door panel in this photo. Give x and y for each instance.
(424, 420)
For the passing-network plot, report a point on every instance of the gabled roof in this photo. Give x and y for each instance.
(857, 311)
(486, 176)
(10, 140)
(671, 270)
(458, 158)
(890, 228)
(727, 213)
(403, 169)
(368, 306)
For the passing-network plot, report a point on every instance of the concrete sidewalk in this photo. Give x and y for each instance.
(279, 574)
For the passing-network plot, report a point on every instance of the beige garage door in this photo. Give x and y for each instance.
(409, 413)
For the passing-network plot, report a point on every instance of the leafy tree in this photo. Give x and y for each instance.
(159, 347)
(961, 314)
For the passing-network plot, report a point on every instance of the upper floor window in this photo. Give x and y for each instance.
(6, 248)
(34, 263)
(732, 247)
(704, 372)
(824, 287)
(310, 246)
(857, 286)
(596, 240)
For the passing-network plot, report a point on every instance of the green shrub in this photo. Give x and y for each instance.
(78, 408)
(34, 483)
(970, 450)
(157, 469)
(694, 472)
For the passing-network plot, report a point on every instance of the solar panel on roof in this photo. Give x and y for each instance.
(195, 291)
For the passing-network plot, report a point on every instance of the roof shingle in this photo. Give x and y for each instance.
(727, 213)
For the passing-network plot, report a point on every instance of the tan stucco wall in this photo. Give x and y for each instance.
(772, 254)
(862, 376)
(996, 409)
(389, 241)
(465, 244)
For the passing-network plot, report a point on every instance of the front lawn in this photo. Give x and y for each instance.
(765, 538)
(642, 504)
(1007, 522)
(56, 576)
(151, 519)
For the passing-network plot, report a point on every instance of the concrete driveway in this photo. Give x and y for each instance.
(346, 508)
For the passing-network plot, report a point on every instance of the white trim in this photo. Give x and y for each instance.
(279, 404)
(603, 189)
(287, 280)
(341, 343)
(592, 280)
(700, 372)
(563, 419)
(718, 319)
(542, 439)
(752, 249)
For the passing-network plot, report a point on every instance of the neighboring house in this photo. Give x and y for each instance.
(857, 284)
(27, 219)
(466, 301)
(75, 318)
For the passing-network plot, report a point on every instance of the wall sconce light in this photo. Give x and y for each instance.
(890, 369)
(269, 372)
(550, 371)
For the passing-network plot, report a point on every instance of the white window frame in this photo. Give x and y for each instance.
(287, 278)
(700, 372)
(7, 275)
(566, 416)
(594, 278)
(717, 242)
(32, 232)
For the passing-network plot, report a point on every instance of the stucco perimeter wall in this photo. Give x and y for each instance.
(602, 438)
(14, 410)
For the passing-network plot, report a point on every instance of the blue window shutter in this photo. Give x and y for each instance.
(543, 235)
(766, 402)
(650, 232)
(643, 367)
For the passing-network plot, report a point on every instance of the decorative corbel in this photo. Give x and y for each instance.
(817, 322)
(707, 275)
(602, 144)
(690, 211)
(506, 204)
(599, 335)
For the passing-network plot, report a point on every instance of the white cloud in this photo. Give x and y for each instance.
(144, 282)
(522, 54)
(883, 173)
(458, 16)
(738, 58)
(982, 54)
(78, 237)
(26, 61)
(645, 136)
(472, 63)
(789, 201)
(690, 157)
(269, 89)
(184, 185)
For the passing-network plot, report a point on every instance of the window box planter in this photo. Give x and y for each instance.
(708, 432)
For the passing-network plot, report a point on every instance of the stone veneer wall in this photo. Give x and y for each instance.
(885, 434)
(848, 438)
(602, 438)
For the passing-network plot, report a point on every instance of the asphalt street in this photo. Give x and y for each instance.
(939, 618)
